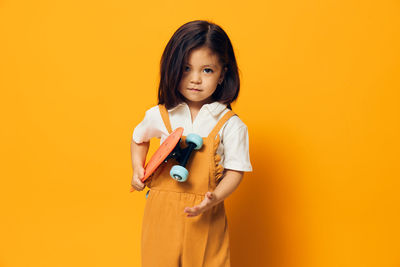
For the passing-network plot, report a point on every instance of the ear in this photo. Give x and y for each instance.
(222, 76)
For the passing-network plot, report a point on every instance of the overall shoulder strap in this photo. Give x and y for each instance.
(165, 117)
(220, 123)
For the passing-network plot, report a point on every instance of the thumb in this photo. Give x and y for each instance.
(139, 173)
(210, 195)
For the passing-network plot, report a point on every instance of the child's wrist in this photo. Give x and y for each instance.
(217, 198)
(137, 165)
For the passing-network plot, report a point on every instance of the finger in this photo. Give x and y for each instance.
(188, 210)
(140, 173)
(193, 211)
(204, 203)
(210, 195)
(138, 182)
(137, 186)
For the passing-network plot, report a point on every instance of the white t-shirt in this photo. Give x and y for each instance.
(234, 144)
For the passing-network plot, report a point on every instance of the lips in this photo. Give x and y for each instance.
(194, 89)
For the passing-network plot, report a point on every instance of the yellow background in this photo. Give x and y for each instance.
(319, 94)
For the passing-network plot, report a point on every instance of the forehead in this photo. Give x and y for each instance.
(203, 56)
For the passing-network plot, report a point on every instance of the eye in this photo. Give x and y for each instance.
(211, 71)
(185, 68)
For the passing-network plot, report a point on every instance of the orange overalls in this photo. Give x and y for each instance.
(169, 238)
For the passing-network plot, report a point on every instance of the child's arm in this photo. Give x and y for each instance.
(139, 152)
(226, 186)
(138, 155)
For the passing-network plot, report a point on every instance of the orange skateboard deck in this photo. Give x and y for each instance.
(162, 153)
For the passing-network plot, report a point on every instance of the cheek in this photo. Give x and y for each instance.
(182, 86)
(213, 82)
(183, 82)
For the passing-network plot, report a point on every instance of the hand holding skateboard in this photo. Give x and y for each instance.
(170, 148)
(137, 176)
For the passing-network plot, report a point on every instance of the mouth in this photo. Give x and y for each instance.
(194, 89)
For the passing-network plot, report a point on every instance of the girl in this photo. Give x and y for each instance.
(184, 223)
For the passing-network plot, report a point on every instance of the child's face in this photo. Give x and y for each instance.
(201, 75)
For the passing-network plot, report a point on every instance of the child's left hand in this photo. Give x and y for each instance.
(209, 201)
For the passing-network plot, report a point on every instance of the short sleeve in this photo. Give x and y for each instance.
(148, 128)
(236, 150)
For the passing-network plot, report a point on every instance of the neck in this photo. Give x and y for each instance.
(197, 105)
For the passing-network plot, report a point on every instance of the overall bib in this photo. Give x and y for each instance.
(169, 238)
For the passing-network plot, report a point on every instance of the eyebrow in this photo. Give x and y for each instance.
(204, 65)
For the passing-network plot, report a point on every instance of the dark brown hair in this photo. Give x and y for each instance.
(189, 36)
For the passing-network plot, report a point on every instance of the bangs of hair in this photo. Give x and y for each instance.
(189, 36)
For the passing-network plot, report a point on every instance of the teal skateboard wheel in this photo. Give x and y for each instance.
(195, 139)
(179, 173)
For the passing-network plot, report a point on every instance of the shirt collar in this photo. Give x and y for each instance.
(177, 106)
(215, 108)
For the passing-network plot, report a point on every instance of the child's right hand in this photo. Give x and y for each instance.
(138, 174)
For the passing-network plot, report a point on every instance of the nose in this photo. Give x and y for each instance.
(195, 78)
